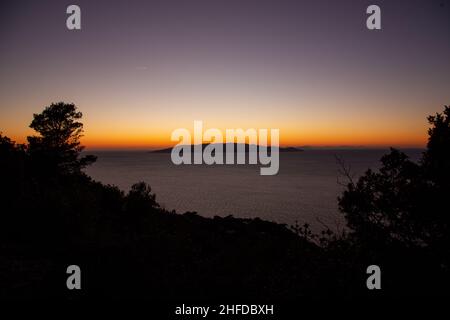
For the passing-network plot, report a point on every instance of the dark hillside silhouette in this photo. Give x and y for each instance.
(53, 215)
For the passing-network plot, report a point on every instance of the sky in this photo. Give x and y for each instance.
(140, 69)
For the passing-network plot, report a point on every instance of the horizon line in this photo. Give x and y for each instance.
(307, 147)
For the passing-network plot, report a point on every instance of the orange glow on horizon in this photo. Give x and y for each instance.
(288, 137)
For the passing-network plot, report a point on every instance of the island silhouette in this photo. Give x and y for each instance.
(235, 145)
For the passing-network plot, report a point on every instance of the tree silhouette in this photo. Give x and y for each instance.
(405, 203)
(57, 148)
(436, 159)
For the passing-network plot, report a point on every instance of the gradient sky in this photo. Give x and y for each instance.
(140, 69)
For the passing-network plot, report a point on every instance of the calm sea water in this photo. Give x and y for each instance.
(305, 189)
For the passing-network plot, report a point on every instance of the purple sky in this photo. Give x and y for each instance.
(139, 69)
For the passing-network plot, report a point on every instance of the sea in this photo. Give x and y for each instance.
(305, 190)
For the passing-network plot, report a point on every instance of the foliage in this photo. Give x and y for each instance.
(57, 147)
(405, 203)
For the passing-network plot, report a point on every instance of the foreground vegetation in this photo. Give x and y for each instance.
(53, 215)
